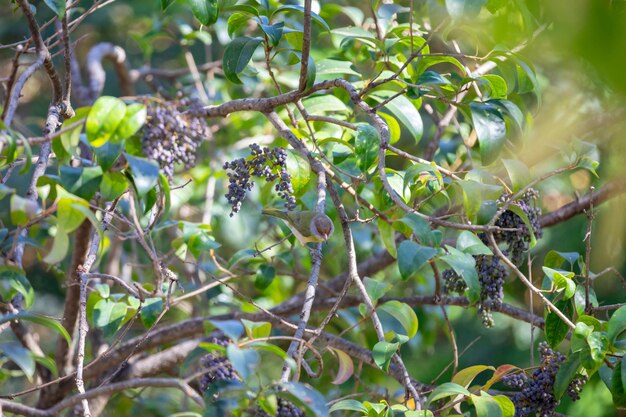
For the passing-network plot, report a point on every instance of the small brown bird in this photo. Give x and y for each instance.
(307, 225)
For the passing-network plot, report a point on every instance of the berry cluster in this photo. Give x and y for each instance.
(535, 393)
(491, 274)
(171, 136)
(453, 282)
(285, 409)
(518, 241)
(219, 368)
(270, 164)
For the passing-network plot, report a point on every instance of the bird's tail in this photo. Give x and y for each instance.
(275, 213)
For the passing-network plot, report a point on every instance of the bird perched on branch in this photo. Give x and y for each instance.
(307, 225)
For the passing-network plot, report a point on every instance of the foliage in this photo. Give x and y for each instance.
(449, 142)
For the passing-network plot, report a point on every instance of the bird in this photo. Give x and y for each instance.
(307, 226)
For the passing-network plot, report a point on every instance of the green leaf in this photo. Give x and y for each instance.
(107, 154)
(69, 216)
(618, 384)
(555, 259)
(206, 11)
(506, 405)
(316, 18)
(593, 356)
(83, 182)
(447, 389)
(257, 330)
(311, 401)
(474, 193)
(335, 67)
(366, 145)
(430, 60)
(420, 228)
(617, 324)
(555, 328)
(567, 372)
(375, 289)
(22, 210)
(150, 311)
(108, 315)
(22, 357)
(133, 120)
(465, 266)
(465, 376)
(13, 282)
(103, 118)
(469, 243)
(518, 173)
(383, 352)
(411, 257)
(245, 361)
(524, 216)
(404, 314)
(264, 276)
(235, 22)
(300, 171)
(324, 104)
(388, 236)
(231, 328)
(486, 406)
(113, 185)
(57, 6)
(145, 173)
(490, 130)
(166, 3)
(38, 319)
(274, 32)
(60, 246)
(562, 281)
(403, 110)
(348, 405)
(496, 86)
(237, 54)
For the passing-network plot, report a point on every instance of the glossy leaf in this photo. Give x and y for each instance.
(133, 120)
(404, 314)
(13, 281)
(104, 117)
(469, 243)
(555, 328)
(304, 396)
(567, 372)
(617, 324)
(411, 257)
(366, 145)
(447, 389)
(145, 173)
(383, 352)
(244, 360)
(300, 171)
(237, 55)
(490, 130)
(37, 319)
(206, 11)
(22, 357)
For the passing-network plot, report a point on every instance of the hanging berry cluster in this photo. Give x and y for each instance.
(270, 164)
(172, 134)
(491, 271)
(535, 392)
(219, 368)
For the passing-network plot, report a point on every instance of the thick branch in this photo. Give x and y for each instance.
(610, 190)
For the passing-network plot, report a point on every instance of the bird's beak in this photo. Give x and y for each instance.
(325, 236)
